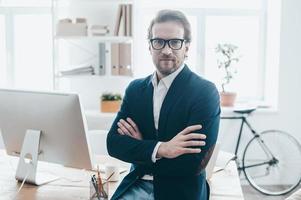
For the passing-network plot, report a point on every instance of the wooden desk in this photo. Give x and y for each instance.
(74, 184)
(225, 185)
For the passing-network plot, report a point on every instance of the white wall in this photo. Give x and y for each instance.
(91, 88)
(288, 116)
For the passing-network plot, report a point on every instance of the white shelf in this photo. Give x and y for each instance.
(94, 1)
(93, 76)
(103, 1)
(96, 38)
(100, 114)
(71, 50)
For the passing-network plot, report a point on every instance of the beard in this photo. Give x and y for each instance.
(167, 65)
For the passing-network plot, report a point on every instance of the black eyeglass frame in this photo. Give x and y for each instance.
(168, 42)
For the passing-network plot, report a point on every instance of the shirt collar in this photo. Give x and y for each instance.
(167, 81)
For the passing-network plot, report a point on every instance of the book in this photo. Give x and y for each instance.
(128, 20)
(118, 20)
(124, 21)
(78, 71)
(102, 59)
(125, 59)
(123, 24)
(99, 30)
(115, 59)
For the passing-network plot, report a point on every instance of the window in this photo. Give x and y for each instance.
(33, 51)
(26, 45)
(144, 62)
(2, 52)
(26, 3)
(242, 31)
(250, 25)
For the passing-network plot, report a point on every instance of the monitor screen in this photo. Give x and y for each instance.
(58, 116)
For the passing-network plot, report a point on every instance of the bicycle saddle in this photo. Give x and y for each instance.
(244, 111)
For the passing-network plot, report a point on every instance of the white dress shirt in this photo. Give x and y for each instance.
(160, 91)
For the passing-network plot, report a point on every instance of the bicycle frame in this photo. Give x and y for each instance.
(266, 164)
(244, 120)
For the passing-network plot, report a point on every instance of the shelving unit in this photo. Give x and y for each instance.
(116, 39)
(75, 51)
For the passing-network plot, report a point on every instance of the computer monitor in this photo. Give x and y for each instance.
(45, 126)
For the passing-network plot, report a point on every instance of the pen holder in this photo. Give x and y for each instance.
(99, 192)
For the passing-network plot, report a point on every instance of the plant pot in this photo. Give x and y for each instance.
(227, 99)
(110, 106)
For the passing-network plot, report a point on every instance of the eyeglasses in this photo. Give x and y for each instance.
(174, 44)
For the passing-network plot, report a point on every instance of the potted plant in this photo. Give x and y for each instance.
(226, 58)
(110, 102)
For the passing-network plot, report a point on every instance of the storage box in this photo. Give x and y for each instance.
(71, 29)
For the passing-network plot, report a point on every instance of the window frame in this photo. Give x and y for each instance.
(266, 96)
(9, 12)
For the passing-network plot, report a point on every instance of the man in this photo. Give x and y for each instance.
(164, 121)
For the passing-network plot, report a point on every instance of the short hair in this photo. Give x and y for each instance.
(171, 16)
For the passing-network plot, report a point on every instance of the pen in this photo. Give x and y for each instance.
(93, 180)
(100, 187)
(107, 182)
(110, 176)
(101, 190)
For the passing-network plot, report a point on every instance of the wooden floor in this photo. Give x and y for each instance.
(251, 194)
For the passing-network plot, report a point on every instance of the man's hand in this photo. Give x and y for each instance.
(182, 143)
(129, 128)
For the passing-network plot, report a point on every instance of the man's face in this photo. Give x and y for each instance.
(168, 60)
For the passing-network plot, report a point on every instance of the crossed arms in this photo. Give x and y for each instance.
(181, 155)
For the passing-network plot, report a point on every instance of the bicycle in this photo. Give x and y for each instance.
(267, 161)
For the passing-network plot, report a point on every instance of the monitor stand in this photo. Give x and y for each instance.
(28, 162)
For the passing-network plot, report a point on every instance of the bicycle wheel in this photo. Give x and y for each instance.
(271, 162)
